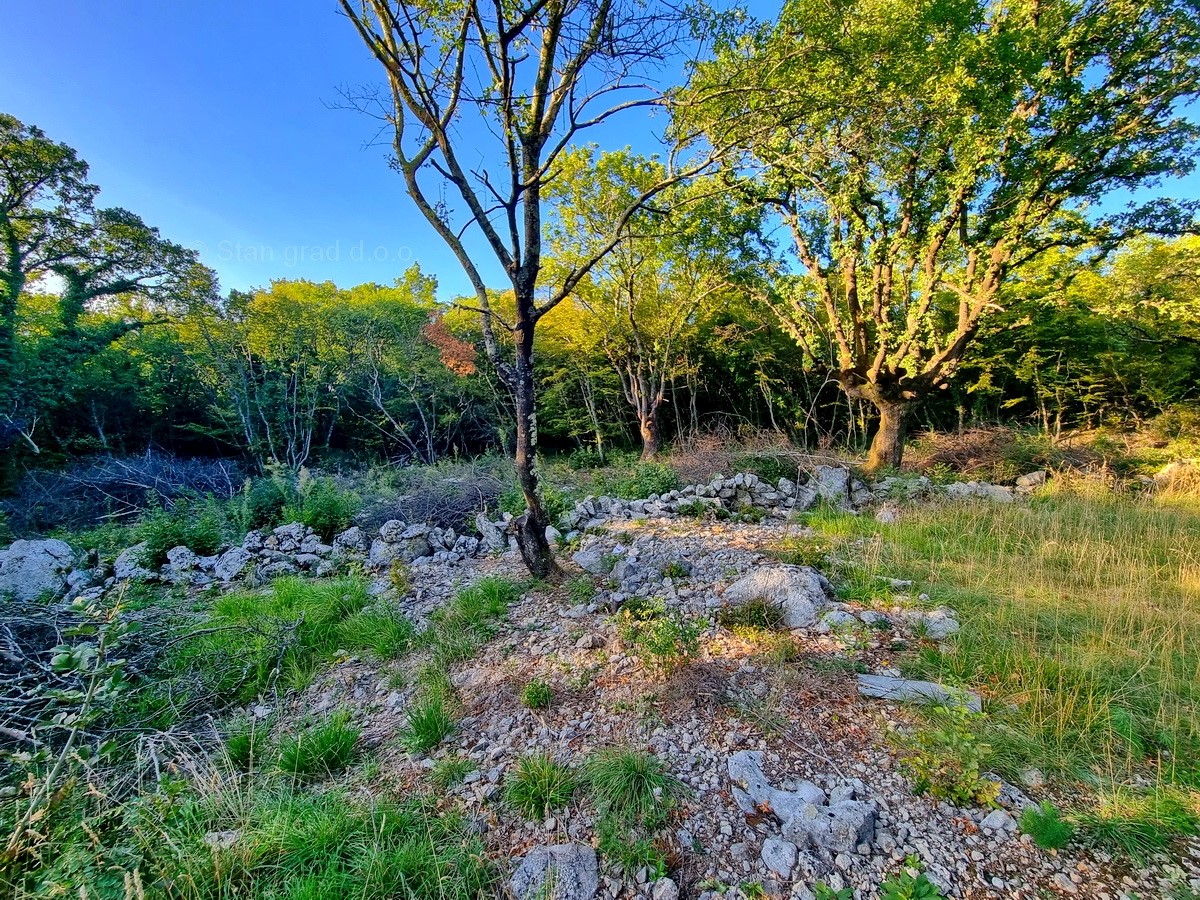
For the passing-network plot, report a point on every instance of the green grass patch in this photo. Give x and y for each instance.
(1046, 826)
(633, 794)
(427, 722)
(537, 784)
(537, 694)
(451, 770)
(321, 750)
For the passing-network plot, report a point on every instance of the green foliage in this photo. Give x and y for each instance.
(322, 506)
(674, 570)
(245, 744)
(537, 784)
(664, 639)
(767, 466)
(387, 634)
(910, 884)
(1047, 828)
(459, 628)
(947, 759)
(646, 479)
(537, 694)
(756, 613)
(449, 771)
(264, 500)
(199, 526)
(321, 750)
(581, 590)
(633, 794)
(427, 722)
(822, 891)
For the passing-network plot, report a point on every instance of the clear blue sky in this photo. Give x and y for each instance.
(211, 121)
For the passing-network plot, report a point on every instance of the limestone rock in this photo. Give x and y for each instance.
(563, 871)
(885, 687)
(594, 560)
(128, 565)
(32, 569)
(779, 856)
(232, 563)
(801, 592)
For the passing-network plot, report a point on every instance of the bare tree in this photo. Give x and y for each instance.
(483, 98)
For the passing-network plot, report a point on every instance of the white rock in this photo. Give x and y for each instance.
(801, 592)
(570, 871)
(779, 856)
(33, 569)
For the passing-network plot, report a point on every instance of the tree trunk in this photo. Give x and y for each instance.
(651, 434)
(531, 525)
(887, 447)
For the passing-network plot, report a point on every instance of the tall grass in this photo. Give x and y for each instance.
(1081, 623)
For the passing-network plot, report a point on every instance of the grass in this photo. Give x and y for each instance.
(537, 694)
(1080, 619)
(461, 627)
(633, 794)
(253, 638)
(1046, 826)
(427, 722)
(320, 751)
(537, 784)
(448, 772)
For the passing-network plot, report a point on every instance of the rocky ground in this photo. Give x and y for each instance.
(748, 734)
(781, 739)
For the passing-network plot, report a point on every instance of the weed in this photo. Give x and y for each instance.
(803, 551)
(537, 694)
(427, 721)
(244, 744)
(946, 760)
(263, 501)
(646, 480)
(675, 570)
(694, 509)
(1139, 823)
(581, 590)
(400, 577)
(910, 884)
(321, 750)
(822, 891)
(538, 784)
(665, 640)
(450, 771)
(1047, 828)
(628, 850)
(322, 506)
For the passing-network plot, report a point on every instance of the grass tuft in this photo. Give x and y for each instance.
(537, 694)
(1046, 826)
(427, 721)
(538, 784)
(320, 751)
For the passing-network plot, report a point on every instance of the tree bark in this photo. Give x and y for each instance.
(651, 433)
(531, 525)
(887, 447)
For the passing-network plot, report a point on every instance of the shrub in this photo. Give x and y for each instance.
(665, 640)
(321, 750)
(911, 884)
(538, 784)
(263, 502)
(322, 506)
(674, 570)
(585, 458)
(946, 761)
(198, 526)
(644, 480)
(427, 721)
(1047, 828)
(537, 694)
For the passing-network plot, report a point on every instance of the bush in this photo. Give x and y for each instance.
(1047, 828)
(665, 640)
(321, 750)
(263, 502)
(947, 760)
(427, 721)
(538, 784)
(322, 506)
(644, 480)
(537, 694)
(585, 458)
(198, 526)
(768, 466)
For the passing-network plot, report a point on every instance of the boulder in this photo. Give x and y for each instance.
(384, 553)
(779, 856)
(563, 871)
(907, 690)
(352, 540)
(838, 828)
(594, 560)
(181, 559)
(800, 591)
(128, 564)
(832, 483)
(758, 795)
(33, 569)
(935, 624)
(1031, 481)
(232, 563)
(491, 535)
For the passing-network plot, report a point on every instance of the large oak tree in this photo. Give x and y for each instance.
(921, 152)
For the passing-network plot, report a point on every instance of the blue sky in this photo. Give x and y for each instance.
(211, 121)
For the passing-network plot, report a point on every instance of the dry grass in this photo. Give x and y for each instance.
(1081, 623)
